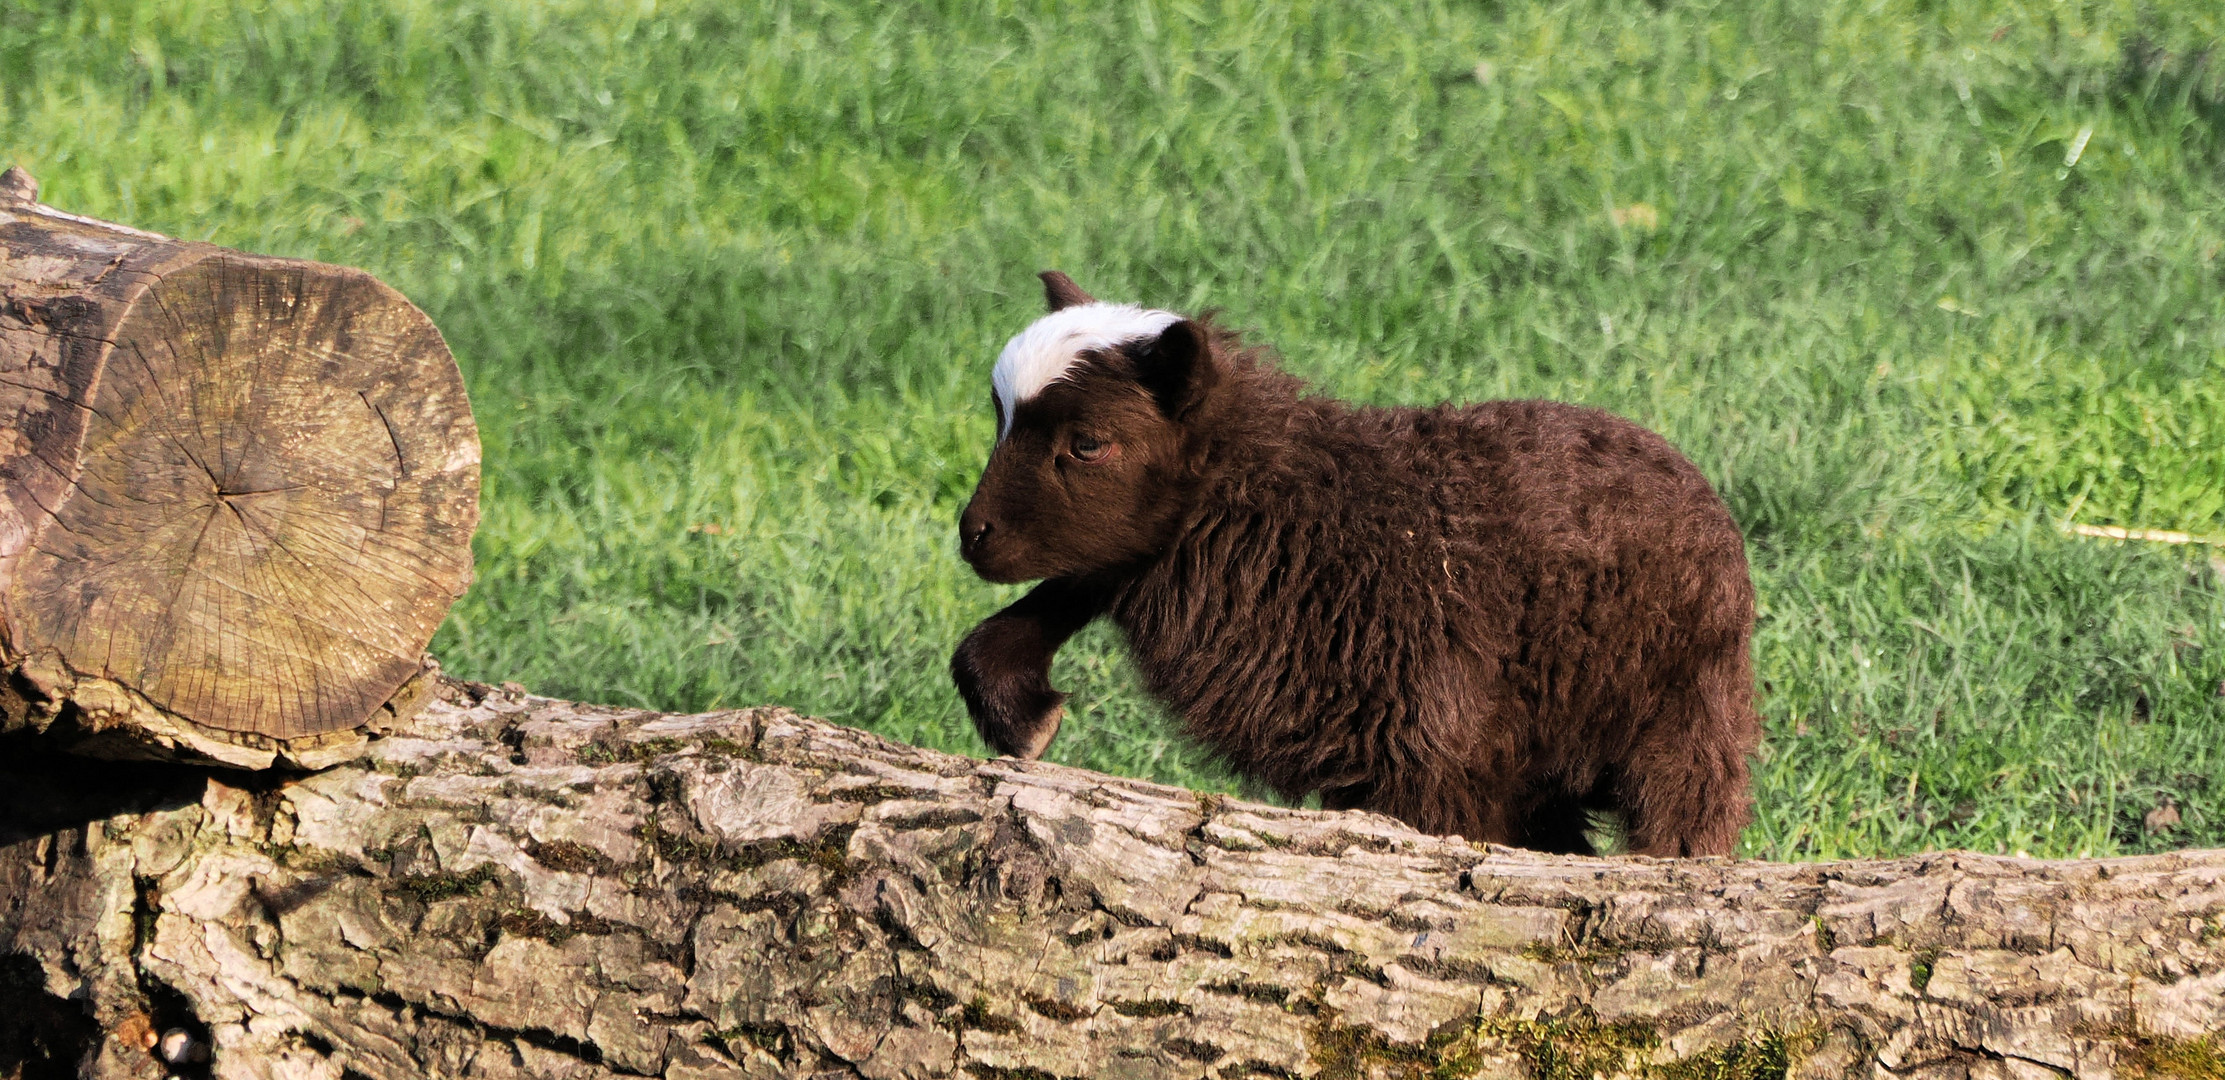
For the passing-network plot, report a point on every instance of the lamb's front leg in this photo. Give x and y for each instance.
(1003, 667)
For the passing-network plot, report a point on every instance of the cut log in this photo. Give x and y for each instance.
(525, 887)
(236, 493)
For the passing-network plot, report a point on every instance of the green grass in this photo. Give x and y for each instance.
(726, 280)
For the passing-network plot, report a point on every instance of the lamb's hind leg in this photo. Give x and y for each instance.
(1003, 667)
(1684, 789)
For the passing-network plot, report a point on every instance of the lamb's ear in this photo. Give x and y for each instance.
(1059, 291)
(1176, 367)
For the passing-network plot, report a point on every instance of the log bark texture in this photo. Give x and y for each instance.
(512, 886)
(236, 493)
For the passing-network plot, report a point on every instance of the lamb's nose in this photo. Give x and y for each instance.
(971, 529)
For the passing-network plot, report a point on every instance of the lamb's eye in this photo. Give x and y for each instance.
(1085, 448)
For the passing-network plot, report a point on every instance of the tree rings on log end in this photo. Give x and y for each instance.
(267, 509)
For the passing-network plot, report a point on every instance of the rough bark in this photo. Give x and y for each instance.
(220, 474)
(515, 886)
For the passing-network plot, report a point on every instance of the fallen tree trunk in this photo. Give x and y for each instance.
(515, 886)
(236, 492)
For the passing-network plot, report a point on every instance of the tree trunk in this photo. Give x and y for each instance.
(236, 493)
(516, 886)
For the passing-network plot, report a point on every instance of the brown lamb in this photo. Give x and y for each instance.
(1487, 620)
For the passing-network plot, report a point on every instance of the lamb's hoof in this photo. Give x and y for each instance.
(1029, 745)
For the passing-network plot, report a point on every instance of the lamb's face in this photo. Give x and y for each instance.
(1089, 467)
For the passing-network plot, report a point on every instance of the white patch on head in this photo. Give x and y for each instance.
(1049, 348)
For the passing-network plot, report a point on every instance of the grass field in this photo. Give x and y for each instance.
(1914, 281)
